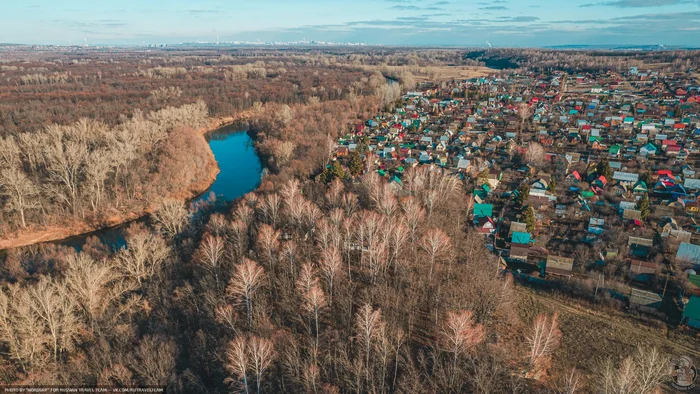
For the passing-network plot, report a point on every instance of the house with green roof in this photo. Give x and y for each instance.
(640, 187)
(520, 238)
(691, 312)
(483, 210)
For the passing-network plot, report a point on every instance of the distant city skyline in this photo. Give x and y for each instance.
(387, 22)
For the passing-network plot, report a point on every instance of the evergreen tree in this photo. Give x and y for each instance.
(523, 194)
(529, 219)
(483, 178)
(603, 168)
(356, 164)
(332, 171)
(552, 186)
(644, 206)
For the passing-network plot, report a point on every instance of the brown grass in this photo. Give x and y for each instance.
(457, 72)
(591, 335)
(435, 73)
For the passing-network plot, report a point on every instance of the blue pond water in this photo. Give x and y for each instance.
(240, 173)
(239, 164)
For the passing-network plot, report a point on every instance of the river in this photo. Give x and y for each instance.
(240, 173)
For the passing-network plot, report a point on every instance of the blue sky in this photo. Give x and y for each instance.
(391, 22)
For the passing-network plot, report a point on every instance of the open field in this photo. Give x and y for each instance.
(590, 336)
(434, 73)
(443, 73)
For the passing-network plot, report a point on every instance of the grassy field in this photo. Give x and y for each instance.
(591, 335)
(435, 73)
(443, 73)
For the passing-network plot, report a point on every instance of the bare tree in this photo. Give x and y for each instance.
(261, 353)
(97, 170)
(436, 244)
(569, 383)
(98, 288)
(368, 324)
(535, 154)
(334, 195)
(144, 254)
(314, 300)
(171, 217)
(247, 278)
(307, 278)
(414, 215)
(284, 151)
(289, 253)
(331, 268)
(21, 329)
(542, 340)
(65, 164)
(460, 334)
(155, 360)
(237, 361)
(271, 208)
(643, 373)
(210, 255)
(20, 191)
(398, 239)
(268, 244)
(55, 309)
(9, 153)
(350, 203)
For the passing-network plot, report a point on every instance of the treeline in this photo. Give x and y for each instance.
(107, 85)
(586, 60)
(88, 171)
(43, 88)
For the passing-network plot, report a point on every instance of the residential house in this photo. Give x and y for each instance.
(626, 178)
(648, 150)
(520, 238)
(559, 266)
(485, 225)
(596, 225)
(483, 210)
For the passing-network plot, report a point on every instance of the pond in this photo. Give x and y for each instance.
(239, 164)
(240, 173)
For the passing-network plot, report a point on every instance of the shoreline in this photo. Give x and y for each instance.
(28, 237)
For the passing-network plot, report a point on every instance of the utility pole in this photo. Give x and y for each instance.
(597, 284)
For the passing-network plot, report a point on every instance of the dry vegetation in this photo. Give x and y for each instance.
(66, 179)
(418, 74)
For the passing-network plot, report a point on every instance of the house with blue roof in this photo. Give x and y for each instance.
(483, 210)
(521, 238)
(648, 150)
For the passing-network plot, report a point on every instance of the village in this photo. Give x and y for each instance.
(582, 183)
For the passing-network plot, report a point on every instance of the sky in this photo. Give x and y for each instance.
(504, 23)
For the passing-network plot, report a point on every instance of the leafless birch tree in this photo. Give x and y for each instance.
(248, 276)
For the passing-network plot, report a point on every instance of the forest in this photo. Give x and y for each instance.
(88, 171)
(319, 281)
